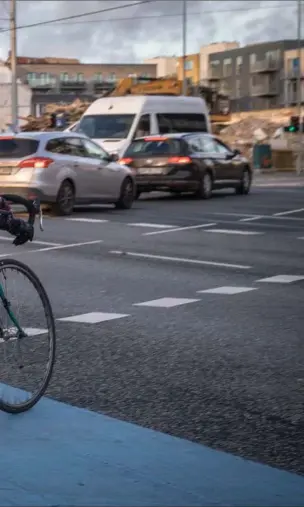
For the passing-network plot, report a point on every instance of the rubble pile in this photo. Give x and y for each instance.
(243, 134)
(72, 111)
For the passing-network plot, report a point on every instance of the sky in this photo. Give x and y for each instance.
(140, 31)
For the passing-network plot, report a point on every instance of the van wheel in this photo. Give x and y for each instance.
(65, 200)
(204, 190)
(126, 197)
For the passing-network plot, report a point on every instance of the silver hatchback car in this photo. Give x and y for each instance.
(63, 169)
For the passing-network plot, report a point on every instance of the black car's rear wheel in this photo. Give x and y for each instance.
(204, 190)
(245, 184)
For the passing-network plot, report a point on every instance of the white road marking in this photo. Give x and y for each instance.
(37, 242)
(180, 259)
(251, 219)
(176, 229)
(89, 220)
(282, 279)
(30, 331)
(226, 290)
(93, 317)
(152, 226)
(290, 212)
(231, 231)
(60, 247)
(167, 302)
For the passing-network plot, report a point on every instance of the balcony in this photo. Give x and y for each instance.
(264, 90)
(214, 74)
(293, 74)
(41, 84)
(267, 65)
(101, 86)
(71, 85)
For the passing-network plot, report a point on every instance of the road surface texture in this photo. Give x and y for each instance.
(180, 316)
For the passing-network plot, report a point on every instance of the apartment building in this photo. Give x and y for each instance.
(166, 66)
(292, 68)
(62, 80)
(253, 76)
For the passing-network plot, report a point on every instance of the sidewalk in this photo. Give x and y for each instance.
(274, 178)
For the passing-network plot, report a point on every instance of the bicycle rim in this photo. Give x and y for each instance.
(26, 361)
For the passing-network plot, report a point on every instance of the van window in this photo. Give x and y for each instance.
(181, 122)
(17, 148)
(106, 126)
(143, 127)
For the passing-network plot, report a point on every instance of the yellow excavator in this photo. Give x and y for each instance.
(219, 104)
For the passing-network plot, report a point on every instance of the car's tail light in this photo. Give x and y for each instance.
(125, 161)
(36, 162)
(179, 160)
(155, 138)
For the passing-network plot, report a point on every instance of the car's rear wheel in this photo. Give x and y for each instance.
(65, 200)
(127, 196)
(245, 184)
(204, 190)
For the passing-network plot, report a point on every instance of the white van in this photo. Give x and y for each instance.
(114, 122)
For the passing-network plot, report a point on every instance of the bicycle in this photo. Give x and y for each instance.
(18, 335)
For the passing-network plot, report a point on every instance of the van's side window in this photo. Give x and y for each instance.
(181, 122)
(143, 127)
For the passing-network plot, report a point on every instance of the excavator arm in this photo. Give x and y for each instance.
(218, 104)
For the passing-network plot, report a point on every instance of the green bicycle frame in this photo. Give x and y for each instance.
(10, 313)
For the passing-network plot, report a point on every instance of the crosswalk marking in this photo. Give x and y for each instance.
(282, 279)
(167, 302)
(93, 317)
(226, 290)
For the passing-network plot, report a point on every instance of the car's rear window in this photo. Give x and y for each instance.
(17, 147)
(147, 147)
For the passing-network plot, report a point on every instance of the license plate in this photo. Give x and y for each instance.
(5, 170)
(150, 170)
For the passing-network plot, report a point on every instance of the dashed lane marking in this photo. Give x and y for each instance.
(89, 220)
(226, 290)
(167, 302)
(179, 259)
(152, 226)
(282, 279)
(235, 231)
(93, 317)
(177, 229)
(35, 242)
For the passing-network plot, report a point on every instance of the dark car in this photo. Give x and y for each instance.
(195, 162)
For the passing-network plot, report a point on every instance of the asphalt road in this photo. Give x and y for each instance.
(224, 369)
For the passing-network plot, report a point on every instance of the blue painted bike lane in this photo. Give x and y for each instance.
(58, 455)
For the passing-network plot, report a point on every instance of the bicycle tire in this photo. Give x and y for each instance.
(34, 280)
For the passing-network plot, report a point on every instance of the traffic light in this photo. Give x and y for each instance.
(294, 125)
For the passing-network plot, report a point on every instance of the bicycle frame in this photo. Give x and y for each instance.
(7, 306)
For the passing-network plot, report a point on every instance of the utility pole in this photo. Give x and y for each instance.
(14, 91)
(184, 46)
(299, 86)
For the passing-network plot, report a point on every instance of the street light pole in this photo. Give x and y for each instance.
(299, 90)
(184, 46)
(14, 91)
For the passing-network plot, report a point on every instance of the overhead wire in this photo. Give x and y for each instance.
(66, 20)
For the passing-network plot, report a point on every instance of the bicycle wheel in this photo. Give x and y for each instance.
(23, 337)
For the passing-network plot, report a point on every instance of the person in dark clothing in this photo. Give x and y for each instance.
(17, 227)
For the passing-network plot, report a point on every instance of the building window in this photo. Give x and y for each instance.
(31, 76)
(227, 67)
(188, 65)
(80, 77)
(98, 77)
(238, 65)
(64, 76)
(112, 77)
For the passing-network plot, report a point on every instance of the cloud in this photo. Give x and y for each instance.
(143, 31)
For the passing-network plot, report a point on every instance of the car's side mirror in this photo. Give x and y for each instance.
(236, 152)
